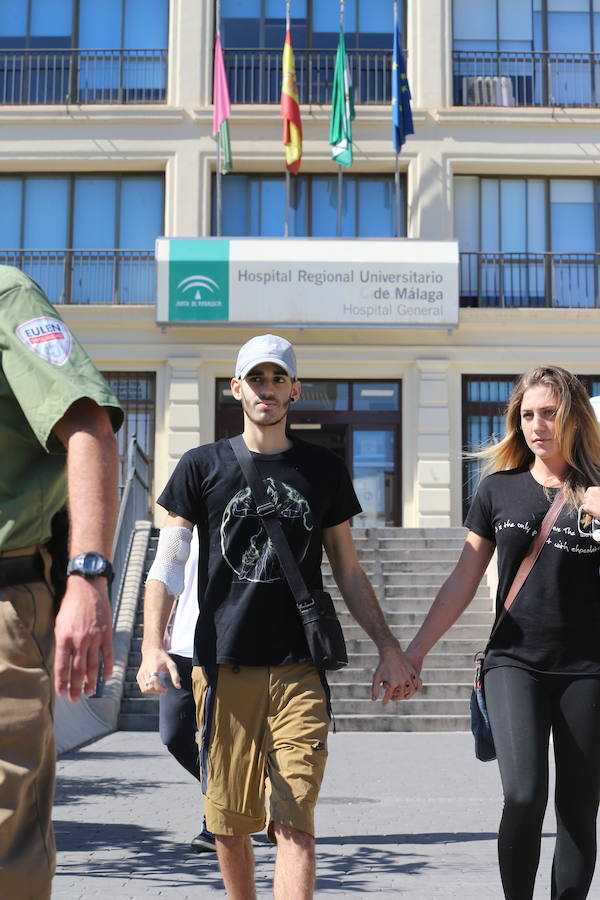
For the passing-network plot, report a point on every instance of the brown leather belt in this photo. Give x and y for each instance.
(19, 567)
(22, 551)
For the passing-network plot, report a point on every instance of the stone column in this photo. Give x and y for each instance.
(432, 489)
(183, 408)
(187, 69)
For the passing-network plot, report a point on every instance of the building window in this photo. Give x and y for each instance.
(253, 32)
(136, 392)
(254, 205)
(98, 244)
(528, 241)
(82, 51)
(484, 402)
(526, 52)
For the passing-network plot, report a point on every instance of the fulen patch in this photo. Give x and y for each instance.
(48, 338)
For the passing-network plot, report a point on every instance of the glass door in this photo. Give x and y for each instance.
(373, 465)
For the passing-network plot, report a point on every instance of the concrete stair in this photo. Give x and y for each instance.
(138, 713)
(406, 567)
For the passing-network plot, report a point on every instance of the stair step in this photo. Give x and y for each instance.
(432, 545)
(459, 646)
(440, 675)
(477, 633)
(362, 691)
(140, 704)
(405, 579)
(452, 531)
(404, 618)
(418, 554)
(137, 722)
(413, 707)
(444, 660)
(382, 722)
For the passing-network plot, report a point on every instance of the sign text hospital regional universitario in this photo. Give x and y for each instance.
(400, 283)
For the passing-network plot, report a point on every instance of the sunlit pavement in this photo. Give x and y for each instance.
(399, 815)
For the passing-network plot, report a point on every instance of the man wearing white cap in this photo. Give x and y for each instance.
(263, 706)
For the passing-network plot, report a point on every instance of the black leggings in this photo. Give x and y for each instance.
(177, 718)
(524, 707)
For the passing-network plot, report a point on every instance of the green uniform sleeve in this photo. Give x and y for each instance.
(43, 363)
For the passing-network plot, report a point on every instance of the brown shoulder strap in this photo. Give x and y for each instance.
(528, 562)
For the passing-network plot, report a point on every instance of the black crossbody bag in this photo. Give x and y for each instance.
(321, 625)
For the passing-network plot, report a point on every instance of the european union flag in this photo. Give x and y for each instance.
(402, 121)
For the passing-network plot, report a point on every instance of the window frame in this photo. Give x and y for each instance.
(307, 179)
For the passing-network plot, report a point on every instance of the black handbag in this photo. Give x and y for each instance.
(480, 722)
(321, 625)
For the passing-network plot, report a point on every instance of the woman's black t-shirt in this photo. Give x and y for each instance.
(553, 624)
(247, 612)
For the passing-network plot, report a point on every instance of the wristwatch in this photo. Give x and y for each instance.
(90, 565)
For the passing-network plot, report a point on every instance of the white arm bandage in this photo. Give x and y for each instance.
(171, 555)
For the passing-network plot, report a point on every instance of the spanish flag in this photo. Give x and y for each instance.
(290, 109)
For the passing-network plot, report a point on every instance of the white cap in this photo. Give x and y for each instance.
(595, 401)
(266, 348)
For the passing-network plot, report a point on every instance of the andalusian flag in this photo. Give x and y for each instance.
(221, 110)
(342, 108)
(290, 109)
(402, 121)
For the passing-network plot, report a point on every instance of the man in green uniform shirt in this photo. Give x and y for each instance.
(57, 423)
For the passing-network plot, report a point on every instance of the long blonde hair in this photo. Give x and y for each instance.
(576, 432)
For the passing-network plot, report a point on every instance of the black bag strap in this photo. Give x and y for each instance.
(529, 560)
(267, 511)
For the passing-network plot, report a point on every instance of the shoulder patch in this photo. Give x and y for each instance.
(48, 338)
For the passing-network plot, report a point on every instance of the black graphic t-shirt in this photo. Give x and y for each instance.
(247, 612)
(554, 623)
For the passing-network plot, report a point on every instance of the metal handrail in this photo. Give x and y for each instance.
(115, 76)
(519, 78)
(134, 506)
(529, 279)
(254, 75)
(89, 276)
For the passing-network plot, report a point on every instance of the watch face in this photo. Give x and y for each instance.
(92, 564)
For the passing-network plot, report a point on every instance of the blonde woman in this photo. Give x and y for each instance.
(542, 668)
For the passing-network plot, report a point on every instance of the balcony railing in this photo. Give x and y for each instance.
(89, 276)
(254, 76)
(487, 78)
(82, 76)
(529, 279)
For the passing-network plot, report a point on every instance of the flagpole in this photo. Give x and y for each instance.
(286, 229)
(340, 180)
(219, 149)
(397, 166)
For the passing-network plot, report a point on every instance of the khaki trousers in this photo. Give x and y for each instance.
(27, 753)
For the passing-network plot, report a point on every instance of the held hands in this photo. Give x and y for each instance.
(396, 675)
(83, 634)
(155, 661)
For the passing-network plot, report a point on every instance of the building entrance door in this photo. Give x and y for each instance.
(360, 421)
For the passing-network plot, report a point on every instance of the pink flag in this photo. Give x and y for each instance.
(220, 90)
